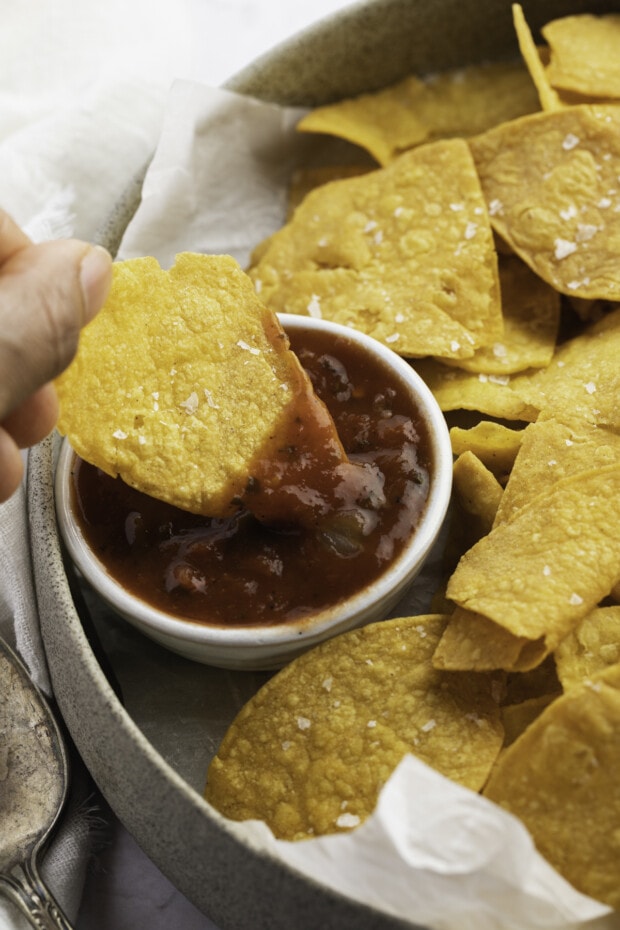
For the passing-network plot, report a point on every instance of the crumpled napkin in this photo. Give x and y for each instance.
(433, 849)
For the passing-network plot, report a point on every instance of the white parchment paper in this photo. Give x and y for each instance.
(433, 852)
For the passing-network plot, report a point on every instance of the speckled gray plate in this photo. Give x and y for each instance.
(146, 722)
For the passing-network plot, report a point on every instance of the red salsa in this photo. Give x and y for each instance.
(242, 571)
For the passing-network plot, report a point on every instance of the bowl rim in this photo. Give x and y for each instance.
(311, 630)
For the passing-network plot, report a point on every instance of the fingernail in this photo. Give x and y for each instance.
(95, 279)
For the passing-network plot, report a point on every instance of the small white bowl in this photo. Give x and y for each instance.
(267, 647)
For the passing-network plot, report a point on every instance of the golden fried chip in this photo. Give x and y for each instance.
(585, 54)
(493, 443)
(516, 718)
(305, 180)
(461, 102)
(311, 751)
(384, 123)
(537, 575)
(472, 641)
(560, 777)
(492, 395)
(551, 450)
(180, 381)
(404, 253)
(551, 182)
(541, 681)
(477, 492)
(582, 383)
(590, 648)
(532, 56)
(531, 313)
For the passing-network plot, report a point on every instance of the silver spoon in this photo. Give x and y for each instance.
(33, 787)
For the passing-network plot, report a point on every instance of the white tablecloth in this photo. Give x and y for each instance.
(82, 92)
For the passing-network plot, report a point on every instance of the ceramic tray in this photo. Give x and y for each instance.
(146, 722)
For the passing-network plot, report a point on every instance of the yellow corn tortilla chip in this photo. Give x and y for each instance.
(590, 648)
(537, 575)
(180, 381)
(585, 54)
(311, 751)
(478, 493)
(551, 450)
(491, 395)
(404, 253)
(305, 180)
(460, 102)
(560, 777)
(541, 681)
(532, 56)
(582, 383)
(531, 314)
(493, 443)
(551, 182)
(473, 641)
(516, 718)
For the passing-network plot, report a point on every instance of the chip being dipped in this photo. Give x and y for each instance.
(182, 379)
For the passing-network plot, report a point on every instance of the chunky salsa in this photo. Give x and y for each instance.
(342, 534)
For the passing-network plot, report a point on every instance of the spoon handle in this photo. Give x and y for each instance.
(24, 886)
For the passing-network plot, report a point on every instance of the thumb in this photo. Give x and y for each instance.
(47, 293)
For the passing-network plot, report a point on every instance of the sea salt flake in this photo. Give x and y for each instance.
(604, 202)
(564, 248)
(546, 570)
(585, 232)
(590, 387)
(247, 348)
(304, 723)
(371, 724)
(570, 141)
(378, 237)
(348, 821)
(191, 404)
(500, 350)
(569, 213)
(314, 307)
(286, 745)
(428, 726)
(119, 434)
(393, 338)
(370, 225)
(470, 230)
(499, 379)
(575, 599)
(455, 346)
(495, 207)
(210, 401)
(327, 683)
(456, 207)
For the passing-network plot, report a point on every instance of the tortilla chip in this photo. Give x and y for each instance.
(551, 182)
(305, 180)
(537, 575)
(478, 493)
(491, 395)
(533, 58)
(590, 648)
(560, 777)
(531, 313)
(457, 103)
(404, 253)
(516, 718)
(582, 383)
(472, 641)
(311, 751)
(493, 443)
(549, 451)
(585, 54)
(180, 382)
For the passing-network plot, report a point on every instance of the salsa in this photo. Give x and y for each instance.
(342, 534)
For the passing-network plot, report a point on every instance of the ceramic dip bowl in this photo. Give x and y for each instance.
(262, 641)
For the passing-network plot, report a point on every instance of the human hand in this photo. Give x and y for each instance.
(47, 293)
